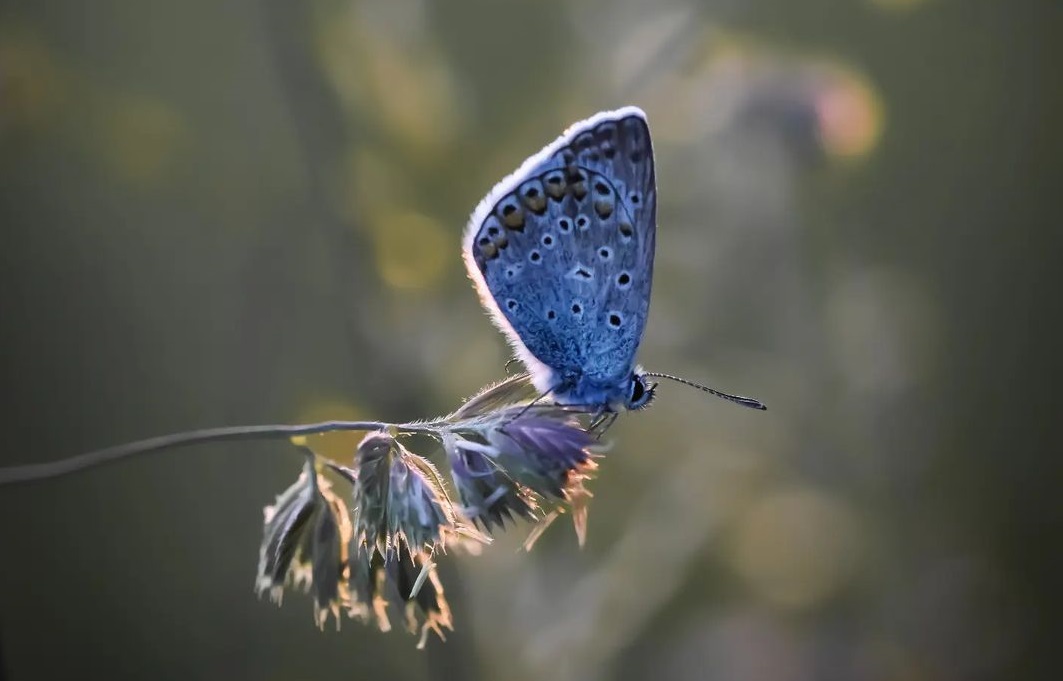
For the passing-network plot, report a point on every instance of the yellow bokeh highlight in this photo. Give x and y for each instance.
(413, 251)
(140, 137)
(373, 184)
(31, 83)
(338, 446)
(393, 74)
(135, 136)
(796, 547)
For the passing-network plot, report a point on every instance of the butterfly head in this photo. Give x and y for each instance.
(641, 392)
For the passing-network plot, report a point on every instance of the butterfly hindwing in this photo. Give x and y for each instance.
(562, 250)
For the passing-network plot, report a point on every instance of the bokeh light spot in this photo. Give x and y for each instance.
(339, 446)
(883, 331)
(850, 115)
(140, 136)
(412, 250)
(385, 68)
(30, 82)
(796, 547)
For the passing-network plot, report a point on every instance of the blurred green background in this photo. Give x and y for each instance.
(244, 212)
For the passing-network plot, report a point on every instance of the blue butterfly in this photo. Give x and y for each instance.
(561, 253)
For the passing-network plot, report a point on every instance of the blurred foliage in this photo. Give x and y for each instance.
(220, 213)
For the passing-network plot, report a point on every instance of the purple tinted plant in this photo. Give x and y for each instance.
(511, 455)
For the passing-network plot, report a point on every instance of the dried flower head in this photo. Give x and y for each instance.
(403, 585)
(489, 495)
(541, 449)
(511, 457)
(305, 538)
(549, 452)
(400, 501)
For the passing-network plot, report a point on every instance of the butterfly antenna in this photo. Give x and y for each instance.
(737, 399)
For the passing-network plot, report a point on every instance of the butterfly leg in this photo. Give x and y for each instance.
(527, 407)
(603, 421)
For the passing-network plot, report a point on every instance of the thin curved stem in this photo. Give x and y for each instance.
(53, 469)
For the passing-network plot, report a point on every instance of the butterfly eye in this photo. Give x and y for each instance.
(637, 390)
(615, 320)
(623, 280)
(535, 256)
(581, 222)
(511, 304)
(604, 253)
(577, 309)
(635, 198)
(564, 225)
(640, 394)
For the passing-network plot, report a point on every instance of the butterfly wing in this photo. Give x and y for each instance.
(561, 251)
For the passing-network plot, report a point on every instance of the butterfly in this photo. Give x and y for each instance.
(561, 253)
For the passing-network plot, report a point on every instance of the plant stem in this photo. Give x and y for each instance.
(54, 469)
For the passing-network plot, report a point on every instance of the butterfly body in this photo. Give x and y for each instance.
(561, 252)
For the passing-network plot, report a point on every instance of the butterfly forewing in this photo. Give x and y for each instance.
(562, 250)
